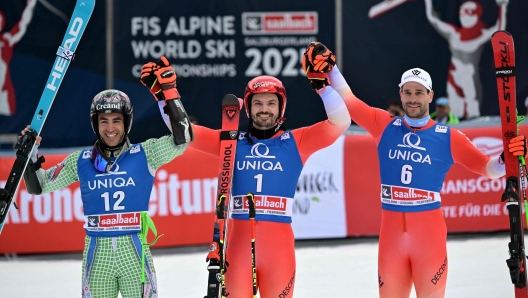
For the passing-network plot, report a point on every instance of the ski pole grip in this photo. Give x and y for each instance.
(220, 206)
(251, 202)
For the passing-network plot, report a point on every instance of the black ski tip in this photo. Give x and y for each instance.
(501, 32)
(230, 99)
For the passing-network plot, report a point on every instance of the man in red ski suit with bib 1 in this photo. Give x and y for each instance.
(268, 163)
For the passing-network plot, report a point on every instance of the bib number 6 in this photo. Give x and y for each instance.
(406, 174)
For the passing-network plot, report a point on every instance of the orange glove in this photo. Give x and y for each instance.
(213, 251)
(318, 58)
(317, 63)
(517, 146)
(160, 78)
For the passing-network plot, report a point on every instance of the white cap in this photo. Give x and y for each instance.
(417, 75)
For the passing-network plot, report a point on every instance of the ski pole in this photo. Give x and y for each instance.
(251, 202)
(520, 119)
(221, 220)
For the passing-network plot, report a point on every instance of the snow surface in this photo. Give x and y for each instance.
(325, 268)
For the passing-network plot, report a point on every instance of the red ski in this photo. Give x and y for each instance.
(228, 141)
(504, 57)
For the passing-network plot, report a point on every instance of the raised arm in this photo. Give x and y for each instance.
(321, 75)
(501, 20)
(39, 181)
(323, 134)
(373, 120)
(160, 79)
(20, 27)
(442, 28)
(499, 25)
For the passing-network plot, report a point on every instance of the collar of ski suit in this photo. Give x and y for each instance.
(417, 123)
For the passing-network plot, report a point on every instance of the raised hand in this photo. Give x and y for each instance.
(160, 78)
(318, 58)
(318, 61)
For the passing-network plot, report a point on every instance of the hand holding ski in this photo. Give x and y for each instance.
(517, 146)
(65, 53)
(504, 57)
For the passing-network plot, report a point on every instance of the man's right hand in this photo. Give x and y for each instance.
(38, 139)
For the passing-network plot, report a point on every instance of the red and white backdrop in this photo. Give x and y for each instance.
(337, 196)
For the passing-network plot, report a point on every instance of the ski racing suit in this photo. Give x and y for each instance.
(112, 202)
(413, 164)
(270, 168)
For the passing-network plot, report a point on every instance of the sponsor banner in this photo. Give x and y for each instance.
(319, 206)
(216, 50)
(113, 222)
(223, 48)
(181, 205)
(263, 205)
(362, 185)
(405, 196)
(260, 23)
(337, 196)
(470, 202)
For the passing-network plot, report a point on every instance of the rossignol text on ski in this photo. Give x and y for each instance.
(228, 140)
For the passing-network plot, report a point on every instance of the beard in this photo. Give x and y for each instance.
(415, 114)
(264, 124)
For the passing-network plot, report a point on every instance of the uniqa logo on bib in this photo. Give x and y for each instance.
(410, 140)
(259, 151)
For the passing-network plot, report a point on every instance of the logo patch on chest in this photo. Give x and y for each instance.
(440, 128)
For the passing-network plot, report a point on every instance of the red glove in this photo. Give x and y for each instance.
(213, 251)
(318, 58)
(517, 146)
(160, 78)
(317, 63)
